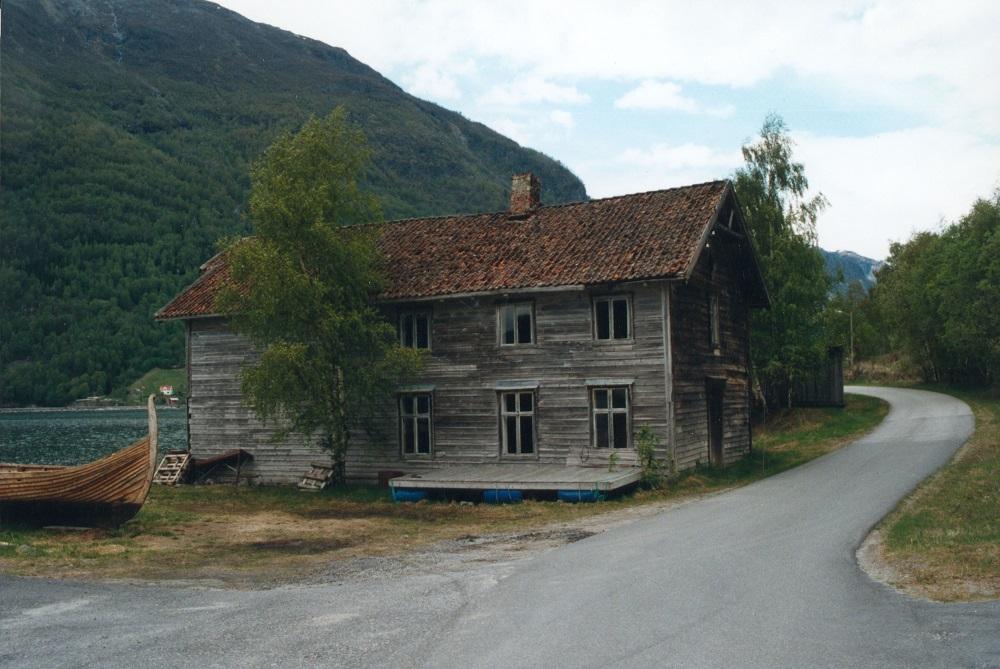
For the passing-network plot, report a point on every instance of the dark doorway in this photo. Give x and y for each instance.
(715, 390)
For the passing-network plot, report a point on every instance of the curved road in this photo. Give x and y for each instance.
(762, 576)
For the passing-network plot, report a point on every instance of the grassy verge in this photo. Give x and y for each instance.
(273, 534)
(943, 542)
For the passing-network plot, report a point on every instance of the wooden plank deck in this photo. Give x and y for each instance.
(519, 476)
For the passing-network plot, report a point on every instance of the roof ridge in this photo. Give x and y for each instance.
(504, 212)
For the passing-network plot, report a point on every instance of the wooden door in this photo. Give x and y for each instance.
(714, 394)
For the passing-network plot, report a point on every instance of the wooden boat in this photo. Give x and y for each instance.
(105, 492)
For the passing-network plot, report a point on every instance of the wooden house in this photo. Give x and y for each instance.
(553, 334)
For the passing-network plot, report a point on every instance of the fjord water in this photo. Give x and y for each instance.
(75, 436)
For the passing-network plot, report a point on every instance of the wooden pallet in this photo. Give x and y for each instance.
(172, 468)
(317, 478)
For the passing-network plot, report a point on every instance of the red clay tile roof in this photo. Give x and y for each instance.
(652, 235)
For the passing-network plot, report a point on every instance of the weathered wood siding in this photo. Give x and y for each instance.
(466, 363)
(219, 421)
(695, 360)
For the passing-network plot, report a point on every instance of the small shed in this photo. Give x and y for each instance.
(826, 387)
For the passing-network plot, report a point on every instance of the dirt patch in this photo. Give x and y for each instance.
(298, 546)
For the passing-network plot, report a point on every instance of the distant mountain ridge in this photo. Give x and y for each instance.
(853, 267)
(128, 131)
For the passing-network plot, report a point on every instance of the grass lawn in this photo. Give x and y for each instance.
(943, 542)
(150, 382)
(275, 534)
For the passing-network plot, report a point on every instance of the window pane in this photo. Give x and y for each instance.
(423, 403)
(603, 320)
(511, 434)
(423, 331)
(619, 398)
(601, 430)
(423, 435)
(524, 326)
(408, 404)
(621, 318)
(510, 402)
(527, 435)
(407, 435)
(601, 399)
(526, 402)
(507, 317)
(620, 424)
(407, 328)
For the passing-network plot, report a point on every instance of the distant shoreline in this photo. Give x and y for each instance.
(136, 407)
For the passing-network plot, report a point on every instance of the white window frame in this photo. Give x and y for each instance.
(414, 313)
(414, 418)
(611, 299)
(516, 307)
(610, 411)
(518, 413)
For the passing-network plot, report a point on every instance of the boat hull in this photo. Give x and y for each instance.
(105, 492)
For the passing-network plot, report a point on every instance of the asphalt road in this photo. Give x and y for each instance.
(763, 576)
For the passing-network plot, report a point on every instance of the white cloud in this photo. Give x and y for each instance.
(657, 95)
(682, 156)
(884, 187)
(529, 90)
(562, 118)
(651, 95)
(428, 82)
(934, 56)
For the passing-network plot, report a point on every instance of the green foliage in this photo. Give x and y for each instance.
(787, 340)
(852, 320)
(938, 294)
(646, 443)
(128, 132)
(328, 361)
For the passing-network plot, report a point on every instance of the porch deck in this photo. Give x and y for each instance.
(519, 477)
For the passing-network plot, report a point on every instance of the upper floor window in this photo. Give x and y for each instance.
(713, 320)
(415, 329)
(610, 408)
(612, 318)
(415, 423)
(517, 422)
(517, 324)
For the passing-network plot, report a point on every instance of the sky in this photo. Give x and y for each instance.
(894, 106)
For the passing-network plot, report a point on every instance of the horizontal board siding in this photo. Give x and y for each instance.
(219, 421)
(466, 363)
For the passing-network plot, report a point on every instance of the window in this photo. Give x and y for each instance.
(713, 320)
(415, 423)
(611, 317)
(517, 324)
(517, 423)
(415, 329)
(611, 417)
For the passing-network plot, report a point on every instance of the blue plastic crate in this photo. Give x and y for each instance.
(575, 496)
(408, 495)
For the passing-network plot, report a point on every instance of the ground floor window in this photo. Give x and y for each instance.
(415, 423)
(517, 422)
(610, 408)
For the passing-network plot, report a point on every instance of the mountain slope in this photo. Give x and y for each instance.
(128, 129)
(846, 267)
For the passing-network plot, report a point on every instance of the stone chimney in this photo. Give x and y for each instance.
(525, 194)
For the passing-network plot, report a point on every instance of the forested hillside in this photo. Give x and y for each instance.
(128, 128)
